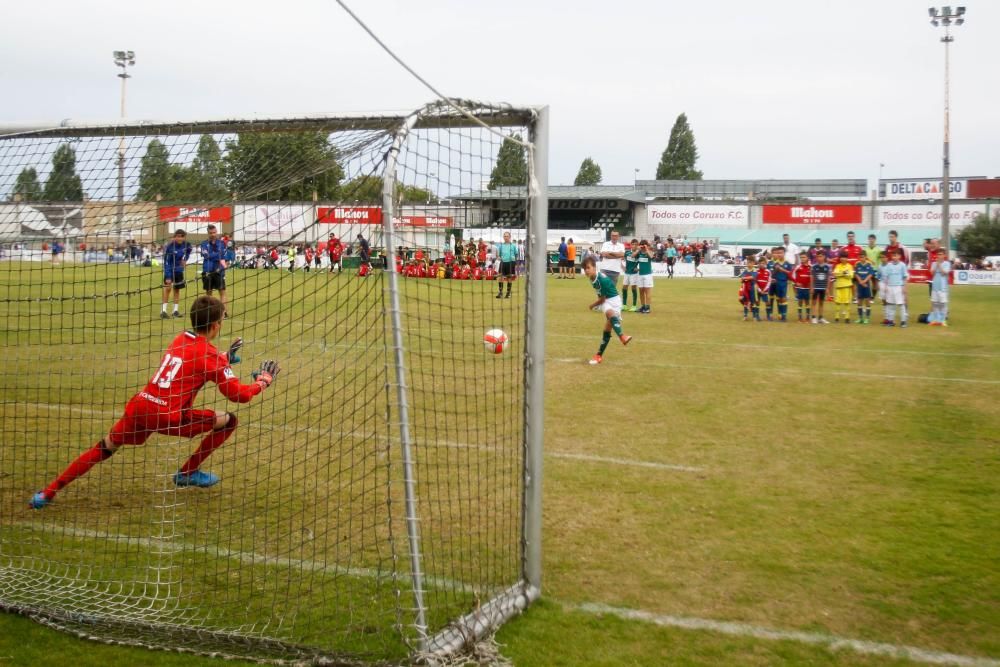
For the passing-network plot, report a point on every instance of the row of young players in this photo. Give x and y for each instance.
(767, 283)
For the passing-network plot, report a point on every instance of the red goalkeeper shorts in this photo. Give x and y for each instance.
(143, 418)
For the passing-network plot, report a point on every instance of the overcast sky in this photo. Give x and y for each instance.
(772, 88)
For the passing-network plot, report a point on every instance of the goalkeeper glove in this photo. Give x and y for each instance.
(234, 348)
(268, 371)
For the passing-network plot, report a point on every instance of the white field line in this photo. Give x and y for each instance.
(765, 346)
(249, 557)
(623, 462)
(831, 642)
(795, 371)
(357, 434)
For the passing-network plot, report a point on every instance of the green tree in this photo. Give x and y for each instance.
(681, 155)
(368, 189)
(203, 181)
(27, 187)
(287, 166)
(411, 194)
(981, 238)
(156, 175)
(589, 174)
(63, 183)
(512, 166)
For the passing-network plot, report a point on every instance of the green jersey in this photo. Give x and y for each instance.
(872, 254)
(604, 286)
(645, 263)
(631, 264)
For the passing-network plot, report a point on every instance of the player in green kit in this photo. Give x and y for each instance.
(631, 277)
(609, 302)
(644, 258)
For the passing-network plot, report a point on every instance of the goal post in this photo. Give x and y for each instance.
(382, 501)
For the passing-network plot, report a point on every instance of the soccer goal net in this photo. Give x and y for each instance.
(381, 499)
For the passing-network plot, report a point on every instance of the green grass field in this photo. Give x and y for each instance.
(820, 482)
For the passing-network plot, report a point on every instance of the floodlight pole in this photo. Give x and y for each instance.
(122, 59)
(945, 16)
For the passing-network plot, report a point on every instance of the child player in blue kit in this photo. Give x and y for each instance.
(781, 272)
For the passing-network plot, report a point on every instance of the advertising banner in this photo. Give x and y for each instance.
(686, 270)
(194, 219)
(930, 214)
(924, 189)
(271, 223)
(357, 215)
(972, 277)
(423, 221)
(812, 214)
(984, 188)
(687, 214)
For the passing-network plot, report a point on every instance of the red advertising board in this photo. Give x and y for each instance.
(359, 215)
(196, 214)
(812, 214)
(984, 188)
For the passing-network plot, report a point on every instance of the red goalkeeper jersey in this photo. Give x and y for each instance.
(187, 365)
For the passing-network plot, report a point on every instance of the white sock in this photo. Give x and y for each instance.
(176, 307)
(164, 308)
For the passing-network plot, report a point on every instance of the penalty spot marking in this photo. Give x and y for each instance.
(831, 642)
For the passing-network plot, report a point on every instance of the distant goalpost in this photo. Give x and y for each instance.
(382, 501)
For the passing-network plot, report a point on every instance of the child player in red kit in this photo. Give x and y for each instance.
(164, 406)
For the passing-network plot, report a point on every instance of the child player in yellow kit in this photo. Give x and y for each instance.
(843, 282)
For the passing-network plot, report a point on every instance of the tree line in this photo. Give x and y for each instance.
(284, 166)
(677, 162)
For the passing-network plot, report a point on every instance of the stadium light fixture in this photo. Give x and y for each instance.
(124, 60)
(944, 16)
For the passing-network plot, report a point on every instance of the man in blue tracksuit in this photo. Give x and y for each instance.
(213, 266)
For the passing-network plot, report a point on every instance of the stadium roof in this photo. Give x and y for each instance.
(646, 191)
(759, 189)
(554, 192)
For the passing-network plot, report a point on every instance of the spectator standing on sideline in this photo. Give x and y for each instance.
(571, 258)
(364, 250)
(213, 266)
(562, 257)
(895, 275)
(175, 257)
(815, 250)
(894, 246)
(507, 252)
(612, 255)
(940, 268)
(791, 249)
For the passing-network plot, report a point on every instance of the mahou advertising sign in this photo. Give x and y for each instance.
(809, 214)
(194, 219)
(358, 215)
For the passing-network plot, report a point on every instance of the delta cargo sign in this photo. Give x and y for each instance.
(809, 214)
(926, 189)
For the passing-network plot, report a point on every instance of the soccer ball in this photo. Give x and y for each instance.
(495, 340)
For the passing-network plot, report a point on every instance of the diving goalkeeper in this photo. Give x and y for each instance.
(164, 406)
